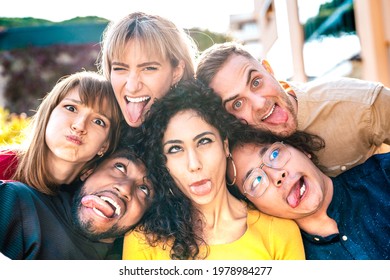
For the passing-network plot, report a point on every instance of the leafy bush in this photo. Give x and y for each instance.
(11, 127)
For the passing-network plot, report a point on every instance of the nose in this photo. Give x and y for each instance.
(277, 176)
(124, 189)
(133, 83)
(194, 163)
(257, 101)
(79, 124)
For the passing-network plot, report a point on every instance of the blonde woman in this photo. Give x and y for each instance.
(144, 56)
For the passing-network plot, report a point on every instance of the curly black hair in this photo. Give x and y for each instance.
(173, 219)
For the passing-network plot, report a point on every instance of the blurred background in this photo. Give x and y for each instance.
(302, 39)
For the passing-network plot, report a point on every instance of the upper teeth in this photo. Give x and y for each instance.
(269, 114)
(137, 99)
(110, 200)
(302, 189)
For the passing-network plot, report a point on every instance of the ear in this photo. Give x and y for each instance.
(178, 72)
(307, 154)
(226, 147)
(267, 67)
(103, 149)
(86, 174)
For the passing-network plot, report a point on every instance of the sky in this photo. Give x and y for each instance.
(213, 15)
(206, 14)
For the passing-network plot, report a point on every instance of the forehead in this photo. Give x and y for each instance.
(232, 75)
(188, 121)
(246, 152)
(135, 165)
(140, 50)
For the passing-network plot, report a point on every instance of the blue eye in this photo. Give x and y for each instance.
(256, 181)
(274, 154)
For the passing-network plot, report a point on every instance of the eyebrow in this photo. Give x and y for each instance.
(195, 138)
(82, 103)
(73, 100)
(248, 80)
(138, 65)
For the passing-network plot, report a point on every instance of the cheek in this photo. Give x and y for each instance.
(133, 215)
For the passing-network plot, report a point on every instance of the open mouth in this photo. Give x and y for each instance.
(114, 206)
(302, 189)
(269, 114)
(276, 116)
(137, 99)
(135, 107)
(102, 205)
(297, 193)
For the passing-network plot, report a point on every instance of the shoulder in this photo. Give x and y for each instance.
(136, 247)
(255, 216)
(373, 166)
(348, 89)
(16, 192)
(8, 163)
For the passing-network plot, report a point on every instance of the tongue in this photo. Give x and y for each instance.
(294, 196)
(134, 110)
(201, 189)
(278, 116)
(93, 201)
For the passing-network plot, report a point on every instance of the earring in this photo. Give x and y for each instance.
(174, 86)
(234, 170)
(100, 154)
(171, 192)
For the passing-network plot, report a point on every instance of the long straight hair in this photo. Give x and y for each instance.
(95, 91)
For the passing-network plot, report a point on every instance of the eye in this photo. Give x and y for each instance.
(145, 189)
(174, 149)
(118, 68)
(274, 154)
(70, 108)
(256, 82)
(237, 104)
(204, 141)
(100, 122)
(150, 68)
(256, 182)
(120, 166)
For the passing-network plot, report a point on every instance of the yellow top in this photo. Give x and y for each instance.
(266, 238)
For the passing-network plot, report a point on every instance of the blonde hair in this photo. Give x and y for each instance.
(155, 34)
(95, 91)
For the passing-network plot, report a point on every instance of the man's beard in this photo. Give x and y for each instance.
(86, 227)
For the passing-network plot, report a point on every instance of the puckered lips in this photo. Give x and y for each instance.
(74, 139)
(135, 107)
(297, 193)
(107, 204)
(275, 115)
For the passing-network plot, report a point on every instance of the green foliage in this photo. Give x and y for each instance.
(206, 38)
(11, 127)
(320, 25)
(22, 22)
(29, 21)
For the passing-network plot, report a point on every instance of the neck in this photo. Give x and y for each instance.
(63, 172)
(221, 216)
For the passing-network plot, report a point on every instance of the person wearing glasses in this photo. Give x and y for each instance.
(356, 109)
(194, 215)
(342, 217)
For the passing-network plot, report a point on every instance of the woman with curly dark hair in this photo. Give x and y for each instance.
(185, 143)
